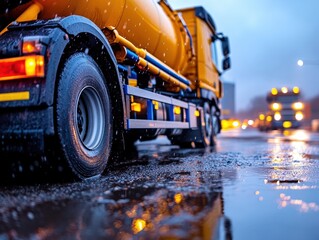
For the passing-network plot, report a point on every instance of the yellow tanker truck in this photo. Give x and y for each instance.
(80, 81)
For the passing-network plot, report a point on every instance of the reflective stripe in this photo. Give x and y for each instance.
(15, 96)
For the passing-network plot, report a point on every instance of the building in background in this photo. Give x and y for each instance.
(228, 101)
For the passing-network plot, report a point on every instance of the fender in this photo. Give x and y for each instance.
(75, 29)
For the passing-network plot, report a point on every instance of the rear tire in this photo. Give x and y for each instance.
(205, 135)
(215, 125)
(83, 117)
(206, 128)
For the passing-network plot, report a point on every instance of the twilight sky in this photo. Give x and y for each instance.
(267, 38)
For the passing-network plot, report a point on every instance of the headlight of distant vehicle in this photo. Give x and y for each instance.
(276, 106)
(277, 116)
(299, 116)
(297, 106)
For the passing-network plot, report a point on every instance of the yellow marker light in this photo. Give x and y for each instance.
(138, 225)
(287, 124)
(136, 107)
(297, 106)
(276, 106)
(132, 82)
(299, 116)
(177, 110)
(155, 103)
(296, 90)
(268, 118)
(21, 67)
(277, 116)
(196, 113)
(284, 90)
(261, 117)
(225, 124)
(178, 197)
(274, 91)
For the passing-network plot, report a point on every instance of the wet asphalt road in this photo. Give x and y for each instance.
(250, 186)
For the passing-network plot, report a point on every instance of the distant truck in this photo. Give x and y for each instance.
(80, 81)
(285, 110)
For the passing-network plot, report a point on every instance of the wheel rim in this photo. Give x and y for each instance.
(89, 119)
(214, 121)
(208, 123)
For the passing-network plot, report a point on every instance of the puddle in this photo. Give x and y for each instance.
(140, 213)
(262, 207)
(241, 190)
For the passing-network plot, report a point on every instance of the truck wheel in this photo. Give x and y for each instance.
(206, 130)
(83, 117)
(215, 125)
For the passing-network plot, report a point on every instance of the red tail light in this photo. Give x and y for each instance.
(21, 67)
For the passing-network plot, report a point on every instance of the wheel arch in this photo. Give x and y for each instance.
(210, 96)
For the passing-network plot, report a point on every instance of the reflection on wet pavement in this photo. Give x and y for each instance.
(250, 186)
(143, 212)
(279, 198)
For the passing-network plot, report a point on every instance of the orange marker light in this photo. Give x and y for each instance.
(29, 47)
(136, 107)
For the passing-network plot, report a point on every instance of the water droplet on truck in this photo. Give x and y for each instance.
(30, 215)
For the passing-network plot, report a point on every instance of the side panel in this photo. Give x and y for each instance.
(202, 72)
(192, 71)
(207, 73)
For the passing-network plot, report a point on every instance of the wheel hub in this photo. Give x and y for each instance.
(89, 119)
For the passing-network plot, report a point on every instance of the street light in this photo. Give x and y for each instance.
(300, 63)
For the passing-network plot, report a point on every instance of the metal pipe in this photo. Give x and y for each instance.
(165, 68)
(143, 54)
(154, 69)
